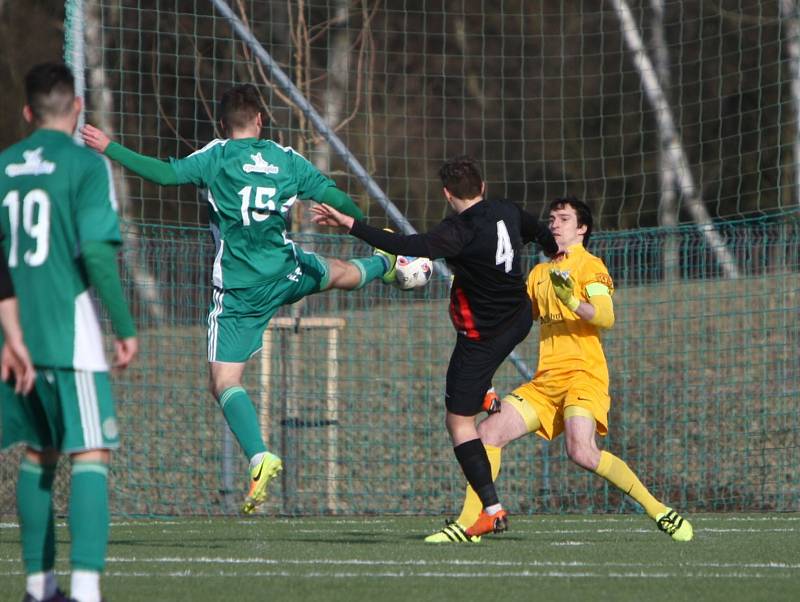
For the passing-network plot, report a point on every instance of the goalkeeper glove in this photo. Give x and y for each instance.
(562, 286)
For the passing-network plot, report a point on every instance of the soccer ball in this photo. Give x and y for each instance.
(412, 272)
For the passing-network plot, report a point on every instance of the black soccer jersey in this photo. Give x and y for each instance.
(481, 245)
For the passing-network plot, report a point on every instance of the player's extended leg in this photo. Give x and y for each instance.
(579, 428)
(496, 431)
(474, 462)
(472, 366)
(240, 414)
(472, 503)
(356, 273)
(35, 511)
(88, 522)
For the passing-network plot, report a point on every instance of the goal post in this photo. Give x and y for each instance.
(293, 410)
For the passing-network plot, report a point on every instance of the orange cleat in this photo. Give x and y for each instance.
(489, 523)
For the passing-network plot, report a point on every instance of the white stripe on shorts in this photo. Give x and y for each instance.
(213, 325)
(90, 412)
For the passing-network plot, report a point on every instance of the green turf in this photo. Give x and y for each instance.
(600, 557)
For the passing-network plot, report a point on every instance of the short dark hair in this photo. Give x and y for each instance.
(461, 176)
(49, 90)
(582, 212)
(239, 106)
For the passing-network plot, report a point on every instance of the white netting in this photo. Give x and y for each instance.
(551, 96)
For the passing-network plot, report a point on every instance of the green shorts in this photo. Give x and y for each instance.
(237, 317)
(68, 410)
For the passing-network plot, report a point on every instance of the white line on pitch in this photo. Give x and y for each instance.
(453, 562)
(547, 520)
(429, 574)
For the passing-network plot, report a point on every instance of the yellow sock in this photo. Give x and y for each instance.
(472, 503)
(616, 472)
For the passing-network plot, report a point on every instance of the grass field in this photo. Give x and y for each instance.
(600, 557)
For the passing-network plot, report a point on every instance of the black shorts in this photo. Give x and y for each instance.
(473, 364)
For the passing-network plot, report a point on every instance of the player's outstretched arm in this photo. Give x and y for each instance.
(150, 168)
(326, 215)
(95, 138)
(341, 201)
(444, 240)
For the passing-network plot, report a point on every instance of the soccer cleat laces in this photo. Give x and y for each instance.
(674, 525)
(452, 532)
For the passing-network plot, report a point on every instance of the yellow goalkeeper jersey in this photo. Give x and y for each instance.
(567, 343)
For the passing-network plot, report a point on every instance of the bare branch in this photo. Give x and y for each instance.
(155, 79)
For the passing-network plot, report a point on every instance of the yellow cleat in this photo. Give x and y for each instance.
(260, 477)
(390, 276)
(452, 532)
(674, 525)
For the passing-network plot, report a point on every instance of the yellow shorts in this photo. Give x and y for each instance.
(547, 400)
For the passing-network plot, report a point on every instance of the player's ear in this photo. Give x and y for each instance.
(259, 121)
(483, 188)
(27, 114)
(77, 104)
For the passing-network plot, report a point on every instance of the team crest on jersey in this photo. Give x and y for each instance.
(260, 166)
(604, 279)
(110, 429)
(34, 165)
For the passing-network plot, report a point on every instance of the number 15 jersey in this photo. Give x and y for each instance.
(252, 184)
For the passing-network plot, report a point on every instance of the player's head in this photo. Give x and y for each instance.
(240, 109)
(570, 221)
(50, 95)
(461, 179)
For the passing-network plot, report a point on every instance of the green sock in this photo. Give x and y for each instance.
(371, 268)
(241, 417)
(88, 515)
(35, 511)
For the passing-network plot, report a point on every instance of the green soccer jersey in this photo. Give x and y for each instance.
(56, 196)
(252, 184)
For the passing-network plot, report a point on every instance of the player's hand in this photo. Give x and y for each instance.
(562, 286)
(325, 215)
(124, 352)
(94, 138)
(15, 361)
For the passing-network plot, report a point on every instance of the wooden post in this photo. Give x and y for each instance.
(331, 326)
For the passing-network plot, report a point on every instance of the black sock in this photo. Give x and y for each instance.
(475, 464)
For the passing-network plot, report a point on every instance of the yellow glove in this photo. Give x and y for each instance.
(562, 286)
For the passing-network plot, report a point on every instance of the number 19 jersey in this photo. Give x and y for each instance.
(54, 196)
(252, 184)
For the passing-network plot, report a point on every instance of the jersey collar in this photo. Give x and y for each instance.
(572, 251)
